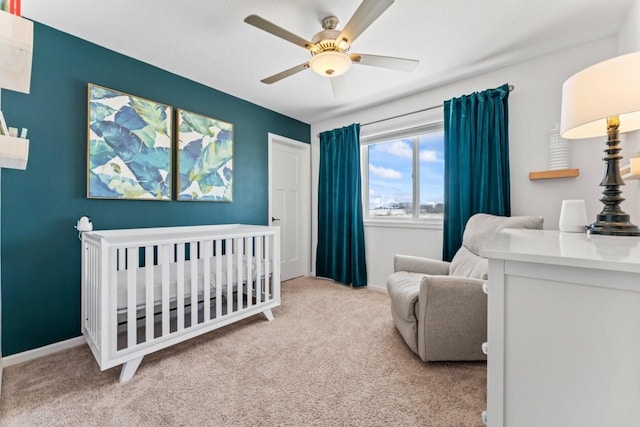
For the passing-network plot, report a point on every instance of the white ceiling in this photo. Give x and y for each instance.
(208, 42)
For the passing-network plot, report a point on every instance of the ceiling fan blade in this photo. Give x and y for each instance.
(339, 86)
(285, 73)
(277, 31)
(401, 64)
(367, 12)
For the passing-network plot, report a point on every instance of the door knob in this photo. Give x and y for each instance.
(274, 219)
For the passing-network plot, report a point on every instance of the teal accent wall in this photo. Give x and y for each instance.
(40, 250)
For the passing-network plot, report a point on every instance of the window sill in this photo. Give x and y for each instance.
(425, 224)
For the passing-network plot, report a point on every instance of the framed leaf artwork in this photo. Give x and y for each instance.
(205, 158)
(129, 146)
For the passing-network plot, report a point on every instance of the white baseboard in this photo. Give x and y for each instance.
(36, 353)
(377, 288)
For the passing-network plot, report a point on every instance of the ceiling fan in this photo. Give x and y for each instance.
(330, 48)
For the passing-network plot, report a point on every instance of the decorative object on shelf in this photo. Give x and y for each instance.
(632, 169)
(558, 150)
(558, 173)
(205, 158)
(14, 152)
(634, 165)
(604, 99)
(4, 130)
(16, 51)
(11, 6)
(129, 146)
(573, 216)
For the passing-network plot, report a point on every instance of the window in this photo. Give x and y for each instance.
(404, 174)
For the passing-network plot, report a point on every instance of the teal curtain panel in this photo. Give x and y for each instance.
(340, 250)
(476, 169)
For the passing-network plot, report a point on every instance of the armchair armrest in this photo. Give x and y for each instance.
(416, 264)
(452, 318)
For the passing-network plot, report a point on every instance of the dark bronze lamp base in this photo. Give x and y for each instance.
(613, 225)
(612, 221)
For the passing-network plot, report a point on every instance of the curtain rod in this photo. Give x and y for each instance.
(511, 89)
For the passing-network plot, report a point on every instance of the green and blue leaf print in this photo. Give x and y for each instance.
(129, 146)
(205, 158)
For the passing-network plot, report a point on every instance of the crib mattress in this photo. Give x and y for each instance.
(173, 281)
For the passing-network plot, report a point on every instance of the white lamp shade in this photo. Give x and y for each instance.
(330, 63)
(609, 88)
(16, 46)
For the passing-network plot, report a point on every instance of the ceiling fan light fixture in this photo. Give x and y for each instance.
(330, 63)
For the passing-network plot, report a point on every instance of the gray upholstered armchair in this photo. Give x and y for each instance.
(439, 307)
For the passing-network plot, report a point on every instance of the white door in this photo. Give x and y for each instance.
(290, 202)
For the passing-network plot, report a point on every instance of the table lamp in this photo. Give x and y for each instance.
(604, 99)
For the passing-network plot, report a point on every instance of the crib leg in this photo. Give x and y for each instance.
(268, 314)
(129, 369)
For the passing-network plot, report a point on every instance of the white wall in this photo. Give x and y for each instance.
(629, 34)
(534, 109)
(629, 41)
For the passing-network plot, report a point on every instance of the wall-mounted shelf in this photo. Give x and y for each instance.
(625, 171)
(14, 152)
(558, 173)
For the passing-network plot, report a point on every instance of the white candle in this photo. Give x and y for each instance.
(635, 165)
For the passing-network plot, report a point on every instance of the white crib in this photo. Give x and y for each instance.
(146, 289)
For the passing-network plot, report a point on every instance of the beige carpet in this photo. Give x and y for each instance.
(331, 357)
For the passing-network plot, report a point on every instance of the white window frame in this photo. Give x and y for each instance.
(401, 133)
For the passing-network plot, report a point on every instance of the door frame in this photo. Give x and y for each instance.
(305, 185)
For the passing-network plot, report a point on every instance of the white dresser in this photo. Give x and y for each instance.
(564, 330)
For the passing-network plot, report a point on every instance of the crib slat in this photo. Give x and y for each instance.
(94, 292)
(275, 287)
(206, 285)
(132, 263)
(87, 288)
(110, 304)
(240, 250)
(218, 280)
(87, 273)
(267, 267)
(228, 246)
(249, 258)
(259, 243)
(165, 272)
(180, 286)
(121, 259)
(148, 292)
(193, 251)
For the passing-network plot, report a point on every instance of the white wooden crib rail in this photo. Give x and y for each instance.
(146, 289)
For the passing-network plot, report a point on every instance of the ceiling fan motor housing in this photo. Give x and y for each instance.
(326, 40)
(328, 59)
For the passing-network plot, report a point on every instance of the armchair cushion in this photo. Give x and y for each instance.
(467, 264)
(420, 265)
(404, 308)
(452, 318)
(480, 229)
